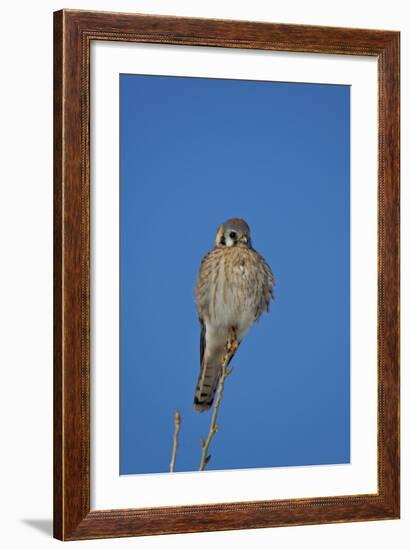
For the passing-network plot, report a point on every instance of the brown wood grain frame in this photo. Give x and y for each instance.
(73, 33)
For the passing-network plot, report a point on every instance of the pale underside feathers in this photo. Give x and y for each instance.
(234, 287)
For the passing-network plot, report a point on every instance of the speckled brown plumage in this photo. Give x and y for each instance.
(234, 287)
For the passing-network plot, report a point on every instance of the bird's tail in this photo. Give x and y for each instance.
(206, 386)
(208, 379)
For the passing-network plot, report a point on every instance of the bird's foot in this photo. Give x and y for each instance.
(232, 345)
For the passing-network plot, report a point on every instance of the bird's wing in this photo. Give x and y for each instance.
(210, 370)
(267, 282)
(202, 341)
(210, 363)
(203, 285)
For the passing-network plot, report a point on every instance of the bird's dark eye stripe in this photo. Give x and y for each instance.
(232, 235)
(223, 241)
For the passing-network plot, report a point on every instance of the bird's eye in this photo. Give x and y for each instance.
(232, 235)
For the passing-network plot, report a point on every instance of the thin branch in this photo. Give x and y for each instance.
(230, 349)
(177, 423)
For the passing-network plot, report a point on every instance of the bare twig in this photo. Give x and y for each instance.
(230, 348)
(177, 423)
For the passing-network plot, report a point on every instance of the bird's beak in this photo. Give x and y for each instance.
(244, 239)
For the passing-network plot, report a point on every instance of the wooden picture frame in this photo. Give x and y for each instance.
(73, 33)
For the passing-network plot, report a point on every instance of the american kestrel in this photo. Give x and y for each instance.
(234, 287)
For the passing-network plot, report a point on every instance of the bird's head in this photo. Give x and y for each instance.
(234, 232)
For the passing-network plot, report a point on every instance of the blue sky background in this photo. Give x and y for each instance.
(195, 152)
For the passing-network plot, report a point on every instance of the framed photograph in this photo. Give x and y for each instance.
(226, 275)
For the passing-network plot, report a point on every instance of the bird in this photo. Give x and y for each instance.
(234, 287)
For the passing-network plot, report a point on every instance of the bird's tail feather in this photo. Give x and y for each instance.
(208, 380)
(206, 386)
